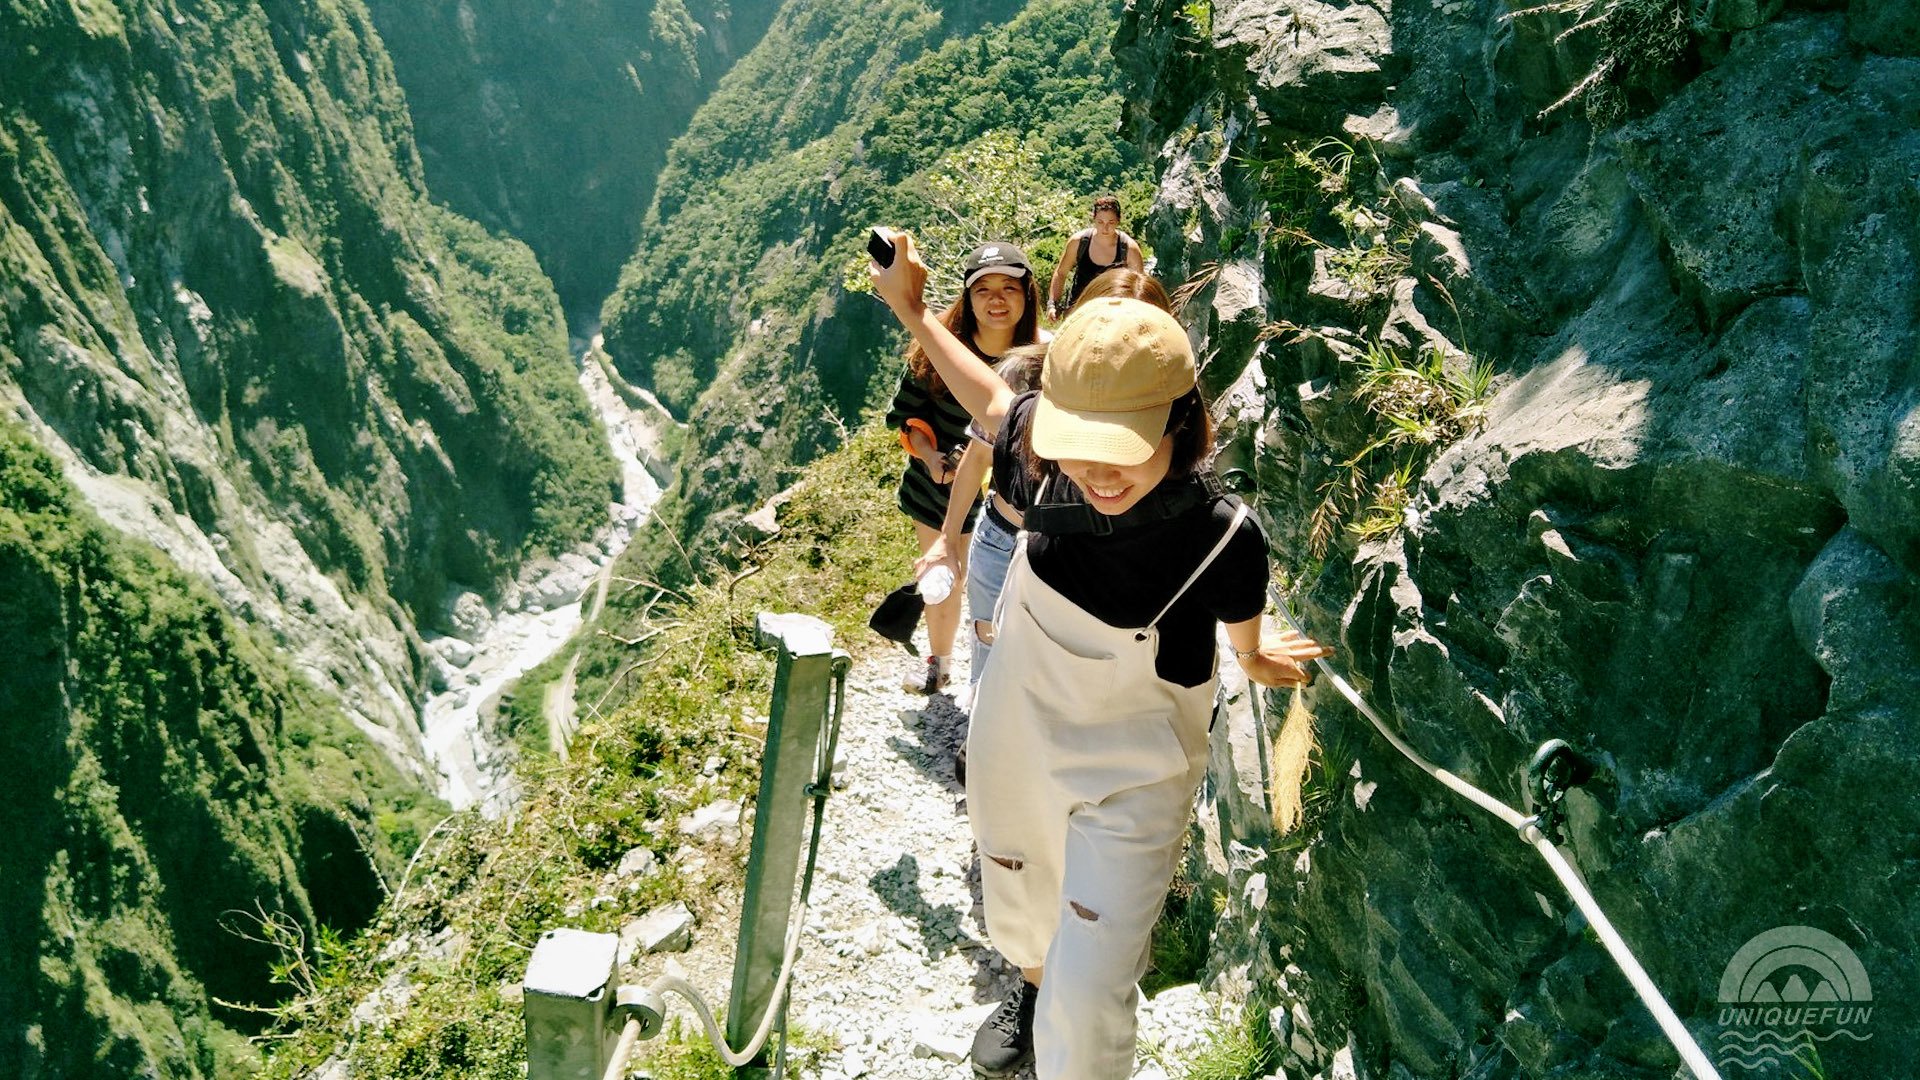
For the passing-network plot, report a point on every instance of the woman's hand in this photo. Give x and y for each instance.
(939, 466)
(902, 285)
(1283, 661)
(937, 553)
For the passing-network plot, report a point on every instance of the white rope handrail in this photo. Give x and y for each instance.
(1562, 867)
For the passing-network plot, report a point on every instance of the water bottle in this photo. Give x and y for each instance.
(936, 584)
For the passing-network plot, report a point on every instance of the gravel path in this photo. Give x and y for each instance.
(895, 966)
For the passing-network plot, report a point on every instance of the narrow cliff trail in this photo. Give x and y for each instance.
(895, 969)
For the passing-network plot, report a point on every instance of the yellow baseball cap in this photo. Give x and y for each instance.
(1111, 376)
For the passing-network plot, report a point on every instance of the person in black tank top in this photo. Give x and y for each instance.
(1091, 252)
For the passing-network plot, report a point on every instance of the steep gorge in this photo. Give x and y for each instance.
(550, 123)
(261, 360)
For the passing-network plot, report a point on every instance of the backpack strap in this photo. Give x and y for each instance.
(1239, 515)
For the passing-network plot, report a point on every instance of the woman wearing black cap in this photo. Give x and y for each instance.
(999, 309)
(1089, 736)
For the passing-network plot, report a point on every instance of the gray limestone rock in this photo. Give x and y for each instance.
(667, 929)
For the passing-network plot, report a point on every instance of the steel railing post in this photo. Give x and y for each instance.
(568, 991)
(802, 685)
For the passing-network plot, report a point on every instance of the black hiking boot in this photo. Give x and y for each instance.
(1004, 1042)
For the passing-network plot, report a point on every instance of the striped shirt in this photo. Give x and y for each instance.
(924, 500)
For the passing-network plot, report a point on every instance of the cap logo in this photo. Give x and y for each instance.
(990, 253)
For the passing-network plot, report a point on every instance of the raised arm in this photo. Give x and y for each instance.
(1062, 270)
(973, 383)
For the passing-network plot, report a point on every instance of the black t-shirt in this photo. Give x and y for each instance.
(1125, 577)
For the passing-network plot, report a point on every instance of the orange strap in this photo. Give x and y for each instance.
(924, 428)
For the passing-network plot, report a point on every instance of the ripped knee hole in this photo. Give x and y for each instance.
(1010, 864)
(983, 631)
(1083, 911)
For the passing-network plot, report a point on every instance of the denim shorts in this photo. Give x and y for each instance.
(987, 561)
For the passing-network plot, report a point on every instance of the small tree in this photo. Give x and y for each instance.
(994, 188)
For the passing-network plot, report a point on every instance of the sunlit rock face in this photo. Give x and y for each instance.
(1682, 537)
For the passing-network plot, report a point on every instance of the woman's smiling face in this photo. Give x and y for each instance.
(998, 301)
(1116, 489)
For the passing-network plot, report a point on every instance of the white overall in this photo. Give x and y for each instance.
(1082, 767)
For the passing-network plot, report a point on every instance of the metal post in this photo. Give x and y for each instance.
(568, 990)
(802, 682)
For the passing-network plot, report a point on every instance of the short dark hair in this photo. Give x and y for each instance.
(1109, 202)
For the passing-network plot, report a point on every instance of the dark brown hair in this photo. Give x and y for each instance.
(1107, 202)
(965, 324)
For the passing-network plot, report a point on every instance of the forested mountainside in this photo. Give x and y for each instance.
(550, 122)
(247, 338)
(177, 799)
(1566, 352)
(1571, 351)
(975, 120)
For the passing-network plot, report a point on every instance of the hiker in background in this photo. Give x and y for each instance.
(999, 307)
(1091, 252)
(1089, 736)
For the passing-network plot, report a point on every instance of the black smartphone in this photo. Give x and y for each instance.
(880, 248)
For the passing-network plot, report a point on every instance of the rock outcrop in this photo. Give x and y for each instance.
(1681, 537)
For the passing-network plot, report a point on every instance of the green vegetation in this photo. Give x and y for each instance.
(227, 295)
(1419, 408)
(458, 931)
(554, 129)
(168, 772)
(1239, 1047)
(736, 309)
(508, 320)
(392, 380)
(683, 1052)
(1313, 201)
(1181, 936)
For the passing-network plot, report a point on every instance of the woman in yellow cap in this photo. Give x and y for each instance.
(1090, 727)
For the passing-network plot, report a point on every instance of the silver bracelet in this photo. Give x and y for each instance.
(1244, 654)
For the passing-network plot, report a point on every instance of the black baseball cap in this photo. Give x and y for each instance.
(998, 257)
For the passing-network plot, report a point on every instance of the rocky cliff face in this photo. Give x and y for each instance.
(550, 122)
(1681, 533)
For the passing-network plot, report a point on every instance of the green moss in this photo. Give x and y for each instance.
(168, 768)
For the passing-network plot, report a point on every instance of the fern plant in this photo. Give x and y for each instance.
(1420, 408)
